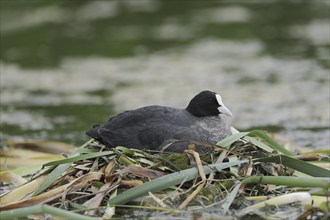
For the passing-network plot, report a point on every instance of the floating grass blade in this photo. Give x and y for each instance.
(59, 170)
(23, 212)
(110, 210)
(320, 151)
(167, 181)
(81, 157)
(290, 181)
(14, 162)
(54, 175)
(23, 171)
(298, 165)
(258, 143)
(248, 136)
(53, 147)
(22, 191)
(50, 195)
(9, 177)
(279, 200)
(226, 142)
(271, 143)
(230, 197)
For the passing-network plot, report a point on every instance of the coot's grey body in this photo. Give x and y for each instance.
(154, 126)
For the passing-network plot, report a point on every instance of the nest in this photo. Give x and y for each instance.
(87, 182)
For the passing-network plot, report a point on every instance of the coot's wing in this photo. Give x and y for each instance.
(118, 130)
(144, 128)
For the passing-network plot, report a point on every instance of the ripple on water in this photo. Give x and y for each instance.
(284, 92)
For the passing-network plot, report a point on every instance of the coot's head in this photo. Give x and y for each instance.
(207, 103)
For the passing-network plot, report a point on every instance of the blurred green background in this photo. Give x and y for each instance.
(66, 65)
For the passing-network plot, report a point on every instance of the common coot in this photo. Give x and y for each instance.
(153, 127)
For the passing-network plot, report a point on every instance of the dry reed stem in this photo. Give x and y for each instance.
(50, 195)
(191, 196)
(131, 183)
(247, 173)
(220, 159)
(201, 173)
(157, 200)
(198, 163)
(95, 202)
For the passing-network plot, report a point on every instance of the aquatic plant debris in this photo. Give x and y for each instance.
(98, 182)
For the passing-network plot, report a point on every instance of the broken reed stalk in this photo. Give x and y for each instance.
(201, 173)
(192, 196)
(23, 212)
(247, 173)
(48, 196)
(157, 200)
(198, 163)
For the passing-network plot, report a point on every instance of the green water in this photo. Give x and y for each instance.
(66, 65)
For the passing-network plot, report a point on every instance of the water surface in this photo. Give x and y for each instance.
(67, 64)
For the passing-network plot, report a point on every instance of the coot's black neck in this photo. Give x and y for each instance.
(193, 110)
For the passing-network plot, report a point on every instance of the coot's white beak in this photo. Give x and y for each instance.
(222, 108)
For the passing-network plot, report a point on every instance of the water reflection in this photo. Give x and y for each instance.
(64, 67)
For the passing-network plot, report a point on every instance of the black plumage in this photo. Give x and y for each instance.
(153, 127)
